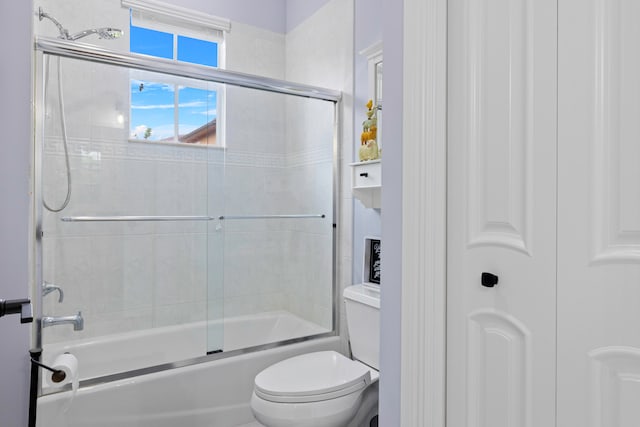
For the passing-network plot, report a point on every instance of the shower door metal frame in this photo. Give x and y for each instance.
(92, 53)
(56, 47)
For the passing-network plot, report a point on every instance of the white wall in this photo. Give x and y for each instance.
(392, 219)
(265, 14)
(368, 30)
(299, 10)
(15, 158)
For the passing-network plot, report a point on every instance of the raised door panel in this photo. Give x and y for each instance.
(598, 213)
(499, 132)
(615, 152)
(615, 387)
(498, 370)
(501, 213)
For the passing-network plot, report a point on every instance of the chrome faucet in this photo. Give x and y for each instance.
(47, 288)
(76, 320)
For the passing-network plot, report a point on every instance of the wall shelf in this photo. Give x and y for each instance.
(366, 181)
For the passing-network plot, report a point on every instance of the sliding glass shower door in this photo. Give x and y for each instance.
(278, 252)
(127, 239)
(178, 216)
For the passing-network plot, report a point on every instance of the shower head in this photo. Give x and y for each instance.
(107, 33)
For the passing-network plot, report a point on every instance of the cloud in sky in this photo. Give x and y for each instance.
(162, 132)
(138, 131)
(147, 86)
(157, 132)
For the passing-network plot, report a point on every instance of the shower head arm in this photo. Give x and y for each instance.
(103, 33)
(82, 34)
(64, 33)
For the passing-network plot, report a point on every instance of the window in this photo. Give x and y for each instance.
(172, 109)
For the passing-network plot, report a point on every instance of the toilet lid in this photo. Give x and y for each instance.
(312, 377)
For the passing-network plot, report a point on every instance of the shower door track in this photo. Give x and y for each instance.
(92, 53)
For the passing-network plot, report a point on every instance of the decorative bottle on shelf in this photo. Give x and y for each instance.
(368, 138)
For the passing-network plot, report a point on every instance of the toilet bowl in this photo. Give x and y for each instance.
(326, 388)
(316, 389)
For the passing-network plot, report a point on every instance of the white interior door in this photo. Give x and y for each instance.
(501, 213)
(599, 213)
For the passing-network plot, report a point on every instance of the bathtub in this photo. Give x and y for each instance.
(209, 394)
(130, 351)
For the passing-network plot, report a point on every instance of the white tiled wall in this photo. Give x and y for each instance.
(319, 51)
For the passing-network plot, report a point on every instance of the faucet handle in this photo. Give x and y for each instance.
(47, 288)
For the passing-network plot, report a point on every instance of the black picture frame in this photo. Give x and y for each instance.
(374, 261)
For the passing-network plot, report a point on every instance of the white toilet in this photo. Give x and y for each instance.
(326, 388)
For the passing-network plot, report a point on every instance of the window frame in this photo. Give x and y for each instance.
(177, 22)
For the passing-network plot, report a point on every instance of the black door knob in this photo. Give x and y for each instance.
(489, 280)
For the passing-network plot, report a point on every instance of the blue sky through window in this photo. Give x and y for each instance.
(197, 107)
(197, 51)
(153, 104)
(150, 42)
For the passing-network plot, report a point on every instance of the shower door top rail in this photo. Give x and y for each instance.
(92, 53)
(123, 218)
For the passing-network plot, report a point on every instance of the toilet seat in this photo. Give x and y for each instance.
(312, 377)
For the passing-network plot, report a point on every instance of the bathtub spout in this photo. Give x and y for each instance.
(76, 320)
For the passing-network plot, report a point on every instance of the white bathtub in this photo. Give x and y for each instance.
(140, 349)
(210, 394)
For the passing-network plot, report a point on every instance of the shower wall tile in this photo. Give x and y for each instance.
(215, 264)
(95, 98)
(316, 54)
(116, 323)
(180, 268)
(247, 305)
(322, 315)
(306, 282)
(243, 183)
(137, 271)
(322, 38)
(252, 263)
(180, 313)
(100, 326)
(256, 51)
(104, 289)
(101, 275)
(254, 121)
(215, 184)
(181, 190)
(215, 312)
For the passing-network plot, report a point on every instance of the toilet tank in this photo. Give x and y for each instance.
(362, 306)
